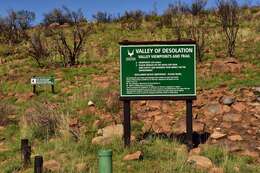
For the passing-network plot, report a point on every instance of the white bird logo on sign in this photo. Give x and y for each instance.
(130, 53)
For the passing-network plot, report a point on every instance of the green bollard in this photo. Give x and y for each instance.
(105, 161)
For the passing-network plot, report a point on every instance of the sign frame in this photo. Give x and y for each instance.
(158, 43)
(188, 99)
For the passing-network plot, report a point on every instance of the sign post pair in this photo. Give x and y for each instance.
(159, 70)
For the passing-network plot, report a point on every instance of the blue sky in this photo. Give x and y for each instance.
(89, 7)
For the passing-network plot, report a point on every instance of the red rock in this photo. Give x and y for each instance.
(230, 117)
(217, 135)
(154, 105)
(252, 154)
(51, 166)
(134, 156)
(235, 138)
(201, 162)
(180, 127)
(216, 170)
(239, 107)
(226, 108)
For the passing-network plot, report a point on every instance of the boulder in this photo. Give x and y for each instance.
(101, 140)
(235, 138)
(201, 162)
(51, 166)
(90, 103)
(162, 125)
(217, 135)
(81, 167)
(107, 134)
(180, 127)
(227, 100)
(213, 109)
(113, 131)
(216, 170)
(231, 117)
(134, 156)
(252, 154)
(239, 107)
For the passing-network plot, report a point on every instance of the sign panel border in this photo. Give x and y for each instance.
(159, 97)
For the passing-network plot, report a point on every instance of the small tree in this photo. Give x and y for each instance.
(102, 17)
(13, 27)
(198, 30)
(197, 6)
(38, 48)
(132, 20)
(177, 10)
(71, 52)
(228, 14)
(63, 15)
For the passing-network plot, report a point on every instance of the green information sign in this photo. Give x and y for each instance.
(158, 70)
(42, 81)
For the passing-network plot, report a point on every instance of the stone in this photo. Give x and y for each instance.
(134, 156)
(226, 108)
(216, 170)
(101, 140)
(3, 148)
(201, 162)
(239, 107)
(195, 151)
(81, 167)
(231, 117)
(166, 108)
(51, 166)
(217, 135)
(162, 125)
(180, 127)
(256, 89)
(234, 148)
(113, 131)
(90, 103)
(252, 154)
(154, 105)
(227, 100)
(213, 108)
(142, 103)
(226, 125)
(235, 138)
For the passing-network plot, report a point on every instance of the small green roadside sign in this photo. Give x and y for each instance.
(158, 70)
(42, 81)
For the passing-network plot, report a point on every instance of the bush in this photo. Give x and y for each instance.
(132, 20)
(198, 31)
(13, 26)
(38, 48)
(102, 17)
(63, 15)
(228, 14)
(43, 121)
(71, 52)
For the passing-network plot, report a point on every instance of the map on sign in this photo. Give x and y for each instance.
(158, 70)
(42, 81)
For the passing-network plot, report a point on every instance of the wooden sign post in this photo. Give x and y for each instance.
(159, 70)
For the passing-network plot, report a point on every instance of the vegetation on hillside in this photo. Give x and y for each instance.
(84, 58)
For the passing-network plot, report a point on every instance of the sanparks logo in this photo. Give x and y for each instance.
(131, 53)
